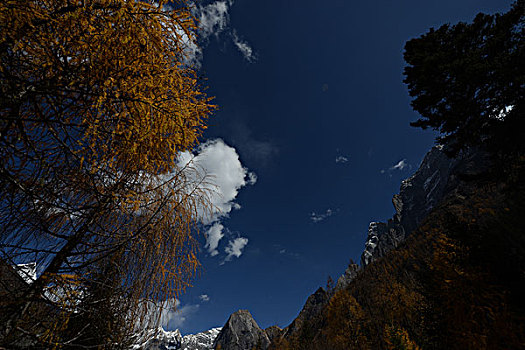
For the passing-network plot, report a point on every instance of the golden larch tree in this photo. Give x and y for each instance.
(96, 103)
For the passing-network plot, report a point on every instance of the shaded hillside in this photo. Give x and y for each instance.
(456, 283)
(445, 272)
(450, 274)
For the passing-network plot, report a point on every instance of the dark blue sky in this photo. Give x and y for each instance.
(326, 83)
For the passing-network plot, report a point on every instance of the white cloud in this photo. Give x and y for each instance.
(320, 217)
(213, 236)
(235, 248)
(341, 159)
(217, 169)
(192, 51)
(214, 18)
(252, 179)
(243, 47)
(167, 311)
(402, 164)
(173, 315)
(237, 206)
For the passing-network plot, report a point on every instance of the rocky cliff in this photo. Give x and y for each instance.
(241, 332)
(347, 277)
(437, 176)
(273, 332)
(417, 196)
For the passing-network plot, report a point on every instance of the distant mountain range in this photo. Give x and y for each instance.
(173, 340)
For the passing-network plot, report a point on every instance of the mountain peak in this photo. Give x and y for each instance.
(241, 332)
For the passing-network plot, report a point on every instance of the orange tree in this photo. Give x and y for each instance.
(96, 103)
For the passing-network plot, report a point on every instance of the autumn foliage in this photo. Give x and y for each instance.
(456, 283)
(96, 102)
(346, 323)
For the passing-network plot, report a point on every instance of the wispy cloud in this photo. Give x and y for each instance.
(213, 21)
(214, 18)
(251, 147)
(401, 165)
(315, 217)
(243, 47)
(213, 236)
(173, 315)
(341, 159)
(191, 50)
(252, 178)
(285, 252)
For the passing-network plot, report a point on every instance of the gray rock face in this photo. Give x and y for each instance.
(347, 277)
(417, 196)
(436, 177)
(241, 332)
(423, 190)
(273, 332)
(381, 239)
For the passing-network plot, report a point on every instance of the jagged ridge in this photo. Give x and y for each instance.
(173, 340)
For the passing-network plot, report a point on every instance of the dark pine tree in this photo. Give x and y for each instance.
(468, 81)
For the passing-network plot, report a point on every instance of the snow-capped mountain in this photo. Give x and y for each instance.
(173, 340)
(200, 341)
(27, 272)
